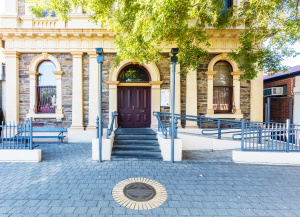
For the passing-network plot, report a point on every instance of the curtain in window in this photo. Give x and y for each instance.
(222, 102)
(46, 88)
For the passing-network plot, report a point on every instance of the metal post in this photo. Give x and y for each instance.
(242, 135)
(219, 129)
(269, 109)
(99, 51)
(97, 126)
(30, 133)
(174, 59)
(288, 135)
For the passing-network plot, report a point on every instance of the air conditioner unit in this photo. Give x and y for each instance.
(273, 91)
(2, 71)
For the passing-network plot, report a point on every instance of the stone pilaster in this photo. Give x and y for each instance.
(12, 85)
(237, 91)
(93, 89)
(155, 101)
(210, 91)
(77, 91)
(113, 97)
(177, 108)
(256, 98)
(191, 97)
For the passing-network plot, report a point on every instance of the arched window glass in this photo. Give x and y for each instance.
(134, 74)
(46, 88)
(223, 89)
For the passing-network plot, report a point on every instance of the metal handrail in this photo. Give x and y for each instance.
(113, 120)
(231, 124)
(161, 127)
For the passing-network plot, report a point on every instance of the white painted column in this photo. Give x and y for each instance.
(296, 112)
(32, 86)
(155, 101)
(77, 91)
(237, 91)
(256, 98)
(113, 97)
(210, 91)
(58, 109)
(93, 89)
(177, 108)
(191, 96)
(12, 85)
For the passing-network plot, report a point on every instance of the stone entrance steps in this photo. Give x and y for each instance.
(135, 143)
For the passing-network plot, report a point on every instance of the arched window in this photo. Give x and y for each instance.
(134, 74)
(46, 88)
(223, 89)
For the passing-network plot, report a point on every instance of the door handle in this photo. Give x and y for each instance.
(133, 107)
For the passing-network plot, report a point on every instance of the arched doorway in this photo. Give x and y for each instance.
(134, 97)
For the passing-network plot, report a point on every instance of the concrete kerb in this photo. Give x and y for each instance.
(271, 158)
(20, 155)
(107, 146)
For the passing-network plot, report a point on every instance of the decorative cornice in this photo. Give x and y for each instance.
(236, 73)
(58, 72)
(92, 54)
(32, 73)
(77, 54)
(156, 82)
(11, 53)
(210, 73)
(113, 82)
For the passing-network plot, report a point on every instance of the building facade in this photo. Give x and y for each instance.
(285, 105)
(52, 76)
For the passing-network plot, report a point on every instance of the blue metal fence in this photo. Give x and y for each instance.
(16, 135)
(254, 136)
(275, 137)
(217, 126)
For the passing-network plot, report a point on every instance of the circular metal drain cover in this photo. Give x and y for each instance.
(139, 193)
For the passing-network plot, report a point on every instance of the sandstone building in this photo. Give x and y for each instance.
(52, 76)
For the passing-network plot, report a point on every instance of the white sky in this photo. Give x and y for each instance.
(293, 61)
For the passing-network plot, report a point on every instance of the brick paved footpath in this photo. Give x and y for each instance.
(68, 183)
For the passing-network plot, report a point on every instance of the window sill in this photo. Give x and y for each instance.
(233, 116)
(58, 117)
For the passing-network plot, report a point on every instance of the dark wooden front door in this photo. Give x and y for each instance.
(134, 106)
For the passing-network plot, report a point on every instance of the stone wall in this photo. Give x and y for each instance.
(85, 68)
(108, 64)
(245, 99)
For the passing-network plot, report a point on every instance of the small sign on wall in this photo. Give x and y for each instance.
(165, 97)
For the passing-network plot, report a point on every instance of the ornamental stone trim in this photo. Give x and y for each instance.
(152, 194)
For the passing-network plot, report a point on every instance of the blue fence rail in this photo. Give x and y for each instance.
(273, 137)
(218, 126)
(254, 136)
(110, 127)
(16, 135)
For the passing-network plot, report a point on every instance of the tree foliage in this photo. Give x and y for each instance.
(143, 28)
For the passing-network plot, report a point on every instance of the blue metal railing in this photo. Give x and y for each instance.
(16, 135)
(110, 129)
(254, 136)
(221, 126)
(272, 137)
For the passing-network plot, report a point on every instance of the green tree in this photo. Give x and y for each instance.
(144, 27)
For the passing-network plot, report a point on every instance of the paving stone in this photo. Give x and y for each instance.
(73, 185)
